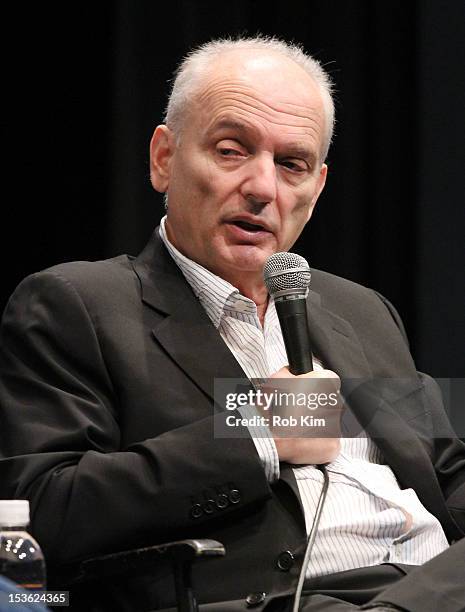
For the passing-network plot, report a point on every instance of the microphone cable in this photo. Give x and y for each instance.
(311, 538)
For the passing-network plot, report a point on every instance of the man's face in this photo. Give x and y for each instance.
(246, 174)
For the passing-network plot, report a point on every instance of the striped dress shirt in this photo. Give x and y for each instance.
(367, 518)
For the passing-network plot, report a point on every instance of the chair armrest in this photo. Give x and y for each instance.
(181, 554)
(142, 559)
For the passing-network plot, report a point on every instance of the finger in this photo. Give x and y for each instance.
(321, 374)
(282, 373)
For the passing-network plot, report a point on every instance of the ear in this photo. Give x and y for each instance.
(162, 147)
(318, 189)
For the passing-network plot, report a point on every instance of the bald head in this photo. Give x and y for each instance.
(282, 64)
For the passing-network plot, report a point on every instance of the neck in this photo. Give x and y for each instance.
(257, 293)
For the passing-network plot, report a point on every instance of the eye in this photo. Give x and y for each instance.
(295, 165)
(227, 152)
(230, 148)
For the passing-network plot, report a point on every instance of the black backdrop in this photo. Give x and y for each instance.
(85, 84)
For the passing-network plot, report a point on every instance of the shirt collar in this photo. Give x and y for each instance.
(214, 293)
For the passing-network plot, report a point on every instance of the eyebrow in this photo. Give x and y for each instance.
(300, 151)
(231, 124)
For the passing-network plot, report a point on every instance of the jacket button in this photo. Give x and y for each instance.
(222, 501)
(196, 511)
(285, 561)
(209, 506)
(234, 496)
(255, 599)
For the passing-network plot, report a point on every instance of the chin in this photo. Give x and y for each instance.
(250, 259)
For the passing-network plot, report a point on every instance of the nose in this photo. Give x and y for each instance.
(259, 185)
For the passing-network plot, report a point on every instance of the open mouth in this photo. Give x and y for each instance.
(249, 227)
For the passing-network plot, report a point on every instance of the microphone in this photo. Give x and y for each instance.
(287, 277)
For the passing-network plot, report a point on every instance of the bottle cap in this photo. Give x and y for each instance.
(14, 512)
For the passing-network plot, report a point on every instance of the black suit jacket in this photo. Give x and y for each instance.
(106, 396)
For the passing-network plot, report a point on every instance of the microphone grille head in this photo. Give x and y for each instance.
(286, 271)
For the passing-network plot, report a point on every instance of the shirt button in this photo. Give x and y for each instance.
(255, 599)
(241, 306)
(285, 561)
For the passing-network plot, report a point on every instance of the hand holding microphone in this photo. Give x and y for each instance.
(287, 277)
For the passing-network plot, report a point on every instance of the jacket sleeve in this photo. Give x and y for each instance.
(449, 454)
(60, 441)
(448, 449)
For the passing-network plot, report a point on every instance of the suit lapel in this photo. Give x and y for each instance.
(334, 341)
(185, 332)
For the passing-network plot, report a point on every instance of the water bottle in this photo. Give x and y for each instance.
(21, 559)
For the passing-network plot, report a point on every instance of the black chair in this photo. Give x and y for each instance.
(181, 555)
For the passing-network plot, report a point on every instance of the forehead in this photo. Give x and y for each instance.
(265, 92)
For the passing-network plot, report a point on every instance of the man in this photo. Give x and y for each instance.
(108, 369)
